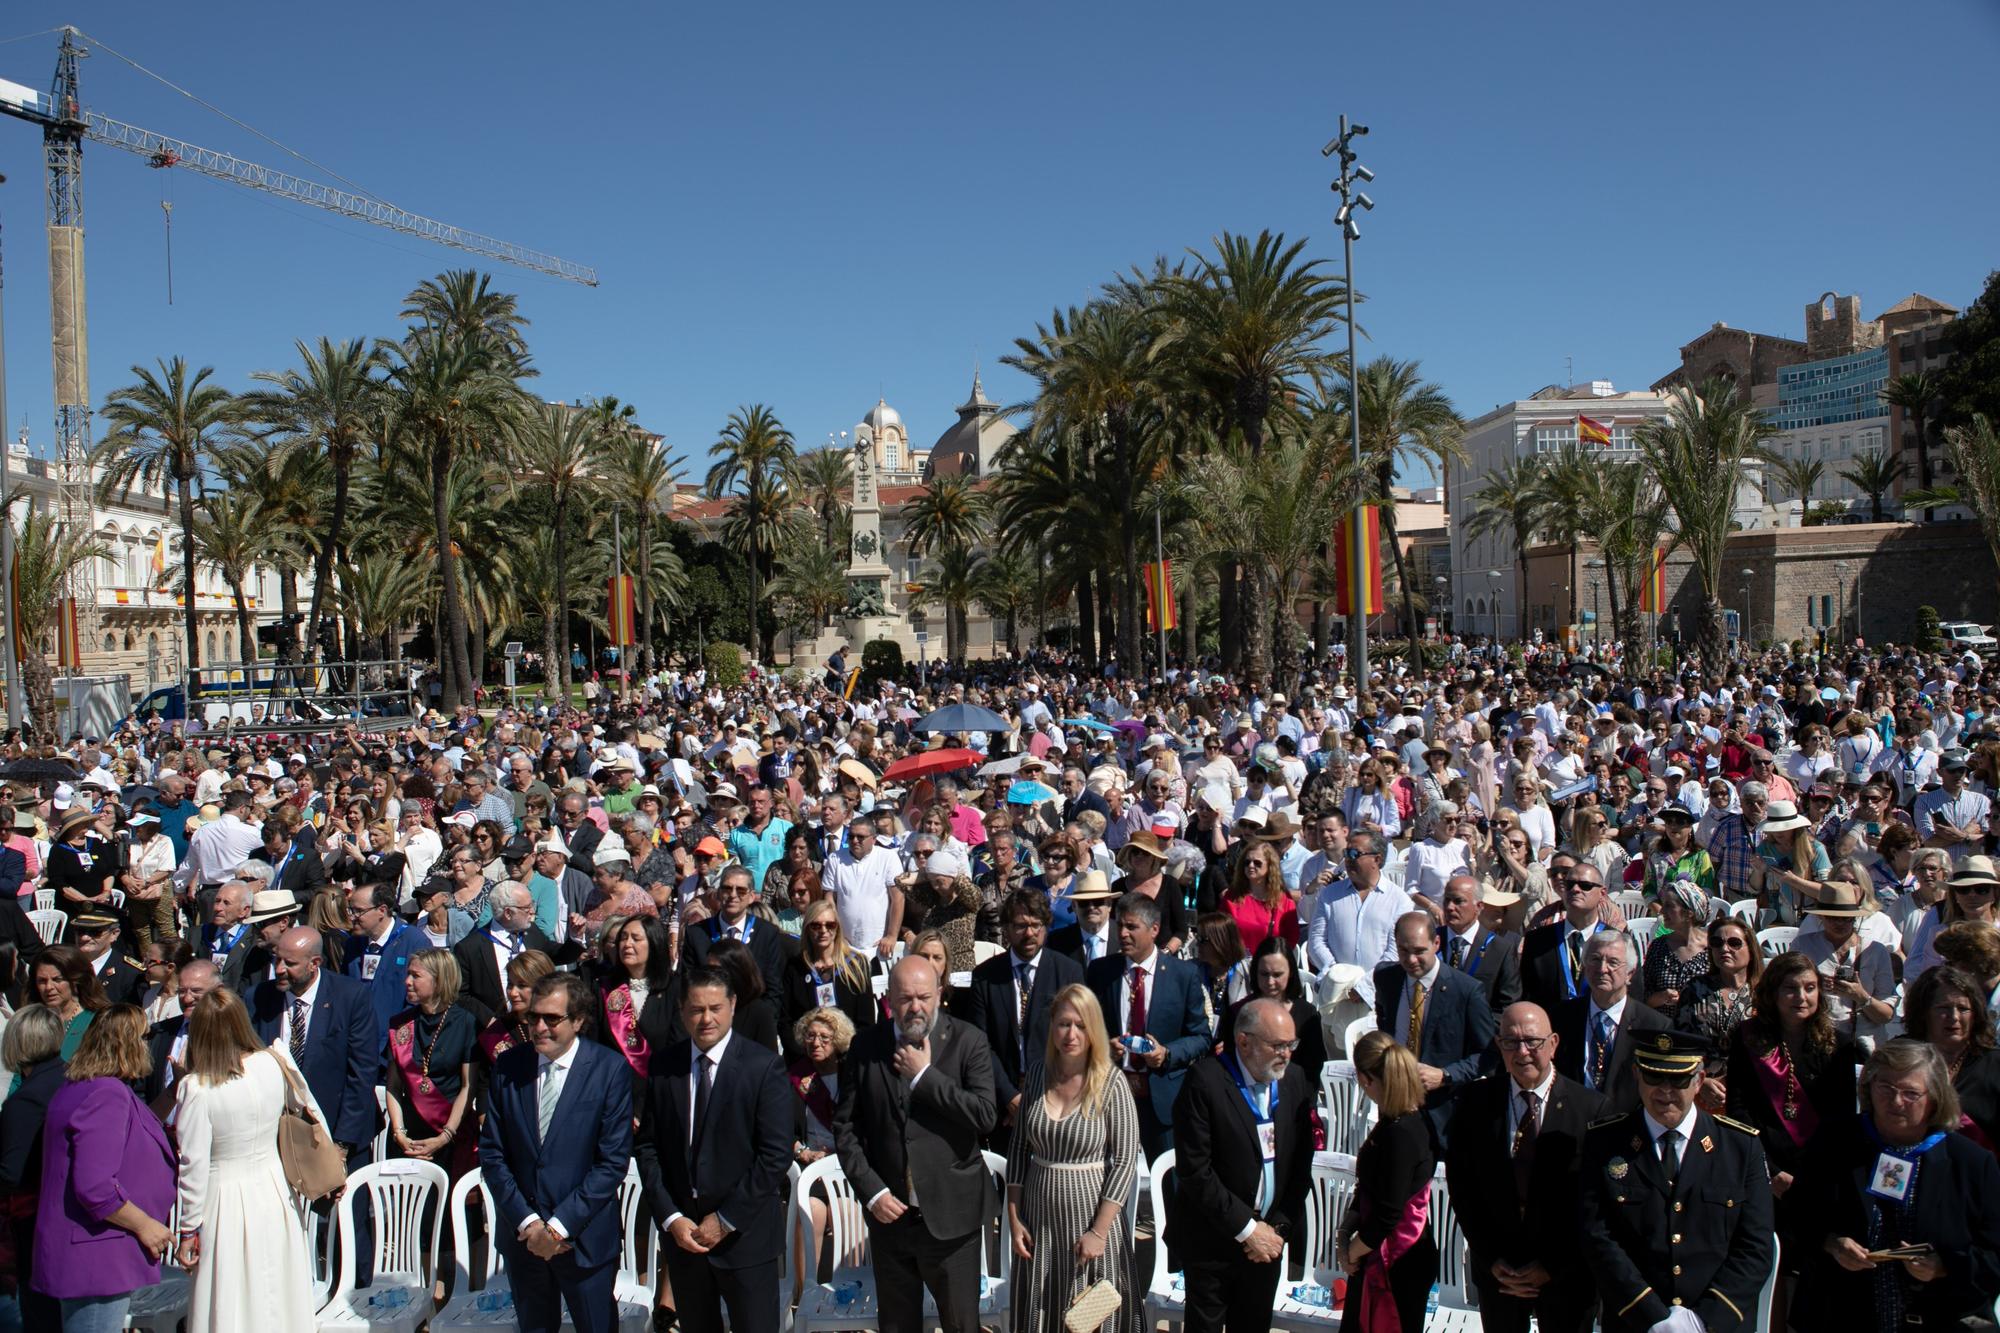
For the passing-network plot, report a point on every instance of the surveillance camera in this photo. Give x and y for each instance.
(1364, 173)
(1364, 200)
(1360, 129)
(1353, 230)
(1341, 215)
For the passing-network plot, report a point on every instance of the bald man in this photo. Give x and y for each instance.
(327, 1023)
(168, 1039)
(916, 1096)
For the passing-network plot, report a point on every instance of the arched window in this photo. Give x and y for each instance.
(211, 645)
(131, 641)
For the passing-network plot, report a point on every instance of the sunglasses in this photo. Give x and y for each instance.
(1676, 1081)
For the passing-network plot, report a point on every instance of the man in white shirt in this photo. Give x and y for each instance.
(217, 848)
(1428, 864)
(1354, 920)
(861, 880)
(1952, 815)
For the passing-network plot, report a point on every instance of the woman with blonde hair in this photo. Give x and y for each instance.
(826, 973)
(432, 1045)
(1069, 1173)
(1385, 1241)
(242, 1231)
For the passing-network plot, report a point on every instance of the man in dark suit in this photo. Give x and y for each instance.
(167, 1041)
(295, 862)
(484, 954)
(1552, 955)
(553, 1150)
(228, 938)
(1078, 797)
(327, 1023)
(1512, 1168)
(1438, 1012)
(1243, 1149)
(1598, 1030)
(714, 1149)
(916, 1096)
(579, 833)
(1491, 958)
(379, 951)
(272, 913)
(1092, 935)
(95, 935)
(1676, 1204)
(1009, 1001)
(735, 893)
(1147, 995)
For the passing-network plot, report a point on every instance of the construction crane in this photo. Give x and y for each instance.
(65, 124)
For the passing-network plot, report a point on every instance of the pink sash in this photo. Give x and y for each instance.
(431, 1104)
(1771, 1077)
(1377, 1302)
(623, 1021)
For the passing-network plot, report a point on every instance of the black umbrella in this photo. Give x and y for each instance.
(39, 770)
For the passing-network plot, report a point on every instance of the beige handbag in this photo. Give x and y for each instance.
(314, 1164)
(1092, 1306)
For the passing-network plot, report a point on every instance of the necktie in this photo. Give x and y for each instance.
(1527, 1126)
(1025, 982)
(1458, 952)
(1600, 1041)
(1135, 1021)
(298, 1029)
(1670, 1157)
(1090, 947)
(551, 1093)
(704, 1084)
(1416, 1041)
(1576, 957)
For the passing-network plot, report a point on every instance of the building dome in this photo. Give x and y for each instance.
(882, 416)
(969, 446)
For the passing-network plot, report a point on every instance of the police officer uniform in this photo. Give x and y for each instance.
(1675, 1221)
(123, 978)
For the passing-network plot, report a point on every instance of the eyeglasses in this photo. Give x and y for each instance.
(1523, 1043)
(538, 1019)
(1666, 1080)
(1285, 1047)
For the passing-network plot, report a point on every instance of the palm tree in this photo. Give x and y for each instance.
(1974, 451)
(810, 588)
(461, 305)
(289, 488)
(1510, 500)
(556, 452)
(755, 451)
(1007, 588)
(1623, 510)
(1564, 483)
(229, 538)
(1874, 473)
(1244, 330)
(166, 430)
(953, 579)
(1049, 496)
(637, 472)
(1405, 419)
(377, 593)
(1695, 455)
(823, 479)
(949, 513)
(46, 554)
(1801, 477)
(1915, 392)
(330, 405)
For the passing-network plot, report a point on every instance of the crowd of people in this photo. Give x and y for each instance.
(1678, 978)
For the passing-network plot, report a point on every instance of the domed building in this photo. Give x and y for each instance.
(972, 446)
(882, 430)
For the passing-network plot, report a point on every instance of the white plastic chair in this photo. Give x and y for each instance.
(1774, 940)
(161, 1307)
(1356, 1030)
(1641, 929)
(45, 900)
(1769, 1294)
(490, 1304)
(49, 924)
(821, 1304)
(1745, 910)
(1166, 1293)
(381, 1119)
(1348, 1112)
(1394, 875)
(399, 1298)
(1632, 902)
(638, 1257)
(1457, 1309)
(1332, 1189)
(118, 899)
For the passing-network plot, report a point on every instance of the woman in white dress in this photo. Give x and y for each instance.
(242, 1231)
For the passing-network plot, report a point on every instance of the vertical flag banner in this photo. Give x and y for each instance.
(620, 619)
(1357, 563)
(1160, 594)
(69, 648)
(1592, 431)
(1653, 592)
(160, 560)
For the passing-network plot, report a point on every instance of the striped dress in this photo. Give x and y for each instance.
(1064, 1169)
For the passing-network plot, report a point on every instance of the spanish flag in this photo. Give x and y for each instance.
(620, 619)
(1589, 430)
(160, 560)
(1653, 592)
(1160, 597)
(1358, 547)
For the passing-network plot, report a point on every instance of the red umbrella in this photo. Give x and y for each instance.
(932, 761)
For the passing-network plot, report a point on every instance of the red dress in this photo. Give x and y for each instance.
(1255, 919)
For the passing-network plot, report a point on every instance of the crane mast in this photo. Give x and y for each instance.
(62, 150)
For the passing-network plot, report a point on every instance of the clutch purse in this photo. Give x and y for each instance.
(1092, 1306)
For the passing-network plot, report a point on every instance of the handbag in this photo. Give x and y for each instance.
(1092, 1306)
(314, 1164)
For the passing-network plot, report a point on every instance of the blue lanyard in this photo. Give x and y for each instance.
(1472, 966)
(1264, 1117)
(1569, 972)
(749, 923)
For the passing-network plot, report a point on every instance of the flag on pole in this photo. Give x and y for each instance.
(1591, 431)
(1358, 547)
(1653, 591)
(69, 647)
(160, 559)
(620, 619)
(1160, 594)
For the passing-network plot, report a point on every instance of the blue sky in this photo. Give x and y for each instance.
(806, 205)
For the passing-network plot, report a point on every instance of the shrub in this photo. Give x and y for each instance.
(725, 664)
(1928, 638)
(881, 659)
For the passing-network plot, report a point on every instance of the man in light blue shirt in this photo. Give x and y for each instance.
(1354, 919)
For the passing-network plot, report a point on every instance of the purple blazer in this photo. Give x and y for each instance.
(101, 1148)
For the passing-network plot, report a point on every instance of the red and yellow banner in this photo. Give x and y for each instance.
(1653, 590)
(620, 619)
(1591, 431)
(69, 645)
(1161, 611)
(1358, 547)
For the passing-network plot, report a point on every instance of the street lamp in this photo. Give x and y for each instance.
(1443, 599)
(1841, 568)
(1352, 174)
(1743, 629)
(1494, 575)
(1595, 566)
